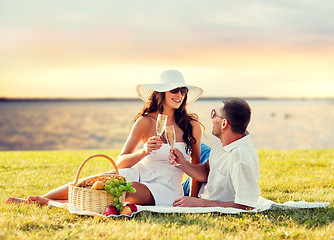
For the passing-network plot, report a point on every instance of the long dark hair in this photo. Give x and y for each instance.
(182, 118)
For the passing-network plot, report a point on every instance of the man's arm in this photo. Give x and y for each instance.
(200, 202)
(198, 172)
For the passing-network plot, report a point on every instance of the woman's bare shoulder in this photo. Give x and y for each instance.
(194, 117)
(144, 127)
(195, 120)
(144, 121)
(197, 131)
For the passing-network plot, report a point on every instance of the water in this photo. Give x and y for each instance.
(275, 124)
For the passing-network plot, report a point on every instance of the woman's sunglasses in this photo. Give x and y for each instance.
(183, 91)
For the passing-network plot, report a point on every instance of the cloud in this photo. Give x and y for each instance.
(238, 40)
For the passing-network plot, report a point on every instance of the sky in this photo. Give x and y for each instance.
(102, 49)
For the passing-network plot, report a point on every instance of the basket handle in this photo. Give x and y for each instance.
(94, 156)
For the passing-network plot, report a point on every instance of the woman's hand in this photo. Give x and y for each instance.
(153, 144)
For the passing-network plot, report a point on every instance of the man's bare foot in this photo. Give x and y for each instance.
(37, 200)
(15, 200)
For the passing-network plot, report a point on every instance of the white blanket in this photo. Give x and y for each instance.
(263, 205)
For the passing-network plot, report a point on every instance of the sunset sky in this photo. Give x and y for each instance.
(95, 49)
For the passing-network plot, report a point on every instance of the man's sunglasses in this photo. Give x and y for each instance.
(214, 114)
(183, 91)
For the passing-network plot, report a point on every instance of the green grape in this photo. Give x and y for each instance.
(116, 188)
(112, 191)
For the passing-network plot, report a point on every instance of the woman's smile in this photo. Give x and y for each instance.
(176, 100)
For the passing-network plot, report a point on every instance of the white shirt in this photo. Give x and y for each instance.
(234, 173)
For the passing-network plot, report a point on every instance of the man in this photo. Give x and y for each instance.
(232, 171)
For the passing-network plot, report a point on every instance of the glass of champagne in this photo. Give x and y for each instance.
(170, 132)
(171, 138)
(160, 125)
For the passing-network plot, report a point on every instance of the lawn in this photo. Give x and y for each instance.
(285, 175)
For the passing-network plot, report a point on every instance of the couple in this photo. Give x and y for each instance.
(230, 175)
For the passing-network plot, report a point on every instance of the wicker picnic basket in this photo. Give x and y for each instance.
(81, 195)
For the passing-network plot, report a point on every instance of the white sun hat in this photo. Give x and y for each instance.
(168, 80)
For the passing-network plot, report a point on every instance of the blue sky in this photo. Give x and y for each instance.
(105, 48)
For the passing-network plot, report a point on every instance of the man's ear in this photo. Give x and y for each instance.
(224, 124)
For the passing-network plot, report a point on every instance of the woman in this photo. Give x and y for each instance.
(156, 181)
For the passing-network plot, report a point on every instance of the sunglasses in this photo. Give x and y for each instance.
(214, 114)
(183, 91)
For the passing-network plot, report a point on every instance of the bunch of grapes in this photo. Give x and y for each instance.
(116, 188)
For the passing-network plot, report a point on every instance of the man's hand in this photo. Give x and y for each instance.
(176, 157)
(187, 202)
(200, 202)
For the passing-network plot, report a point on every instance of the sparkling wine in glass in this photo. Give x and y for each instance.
(171, 138)
(160, 125)
(170, 132)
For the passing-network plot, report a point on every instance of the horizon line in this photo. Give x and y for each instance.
(68, 99)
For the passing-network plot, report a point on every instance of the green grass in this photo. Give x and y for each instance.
(285, 175)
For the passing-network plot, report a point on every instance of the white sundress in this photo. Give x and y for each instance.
(161, 178)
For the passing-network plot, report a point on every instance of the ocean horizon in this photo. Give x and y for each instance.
(136, 99)
(105, 123)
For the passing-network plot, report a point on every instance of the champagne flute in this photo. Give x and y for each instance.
(170, 132)
(171, 138)
(160, 125)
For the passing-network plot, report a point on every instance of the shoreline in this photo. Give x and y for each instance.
(118, 150)
(5, 99)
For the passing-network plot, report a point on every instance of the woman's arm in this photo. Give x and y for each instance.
(195, 156)
(129, 156)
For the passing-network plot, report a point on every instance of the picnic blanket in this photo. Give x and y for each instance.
(263, 205)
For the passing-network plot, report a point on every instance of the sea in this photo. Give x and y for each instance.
(106, 123)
